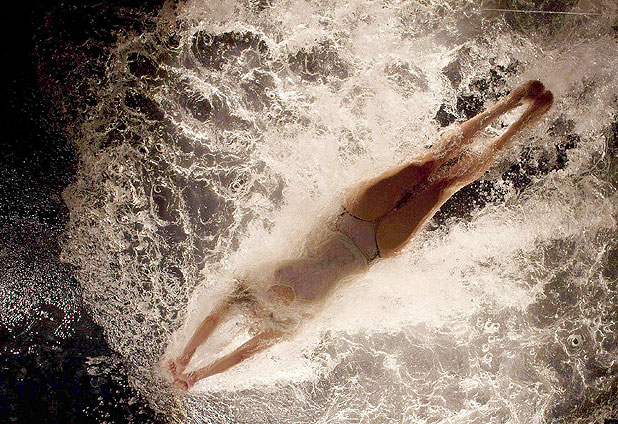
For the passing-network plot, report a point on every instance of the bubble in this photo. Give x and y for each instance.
(491, 327)
(575, 340)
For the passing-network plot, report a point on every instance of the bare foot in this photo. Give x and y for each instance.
(540, 104)
(534, 88)
(529, 90)
(184, 382)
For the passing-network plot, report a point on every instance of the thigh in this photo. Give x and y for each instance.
(398, 226)
(380, 196)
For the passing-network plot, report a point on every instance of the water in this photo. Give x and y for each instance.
(220, 134)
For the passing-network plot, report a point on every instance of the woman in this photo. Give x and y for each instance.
(378, 219)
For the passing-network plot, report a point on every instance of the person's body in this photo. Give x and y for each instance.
(378, 219)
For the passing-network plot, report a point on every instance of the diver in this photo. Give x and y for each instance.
(377, 220)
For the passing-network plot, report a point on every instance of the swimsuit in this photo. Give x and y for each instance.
(346, 251)
(361, 232)
(348, 248)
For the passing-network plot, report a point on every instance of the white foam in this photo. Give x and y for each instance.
(404, 342)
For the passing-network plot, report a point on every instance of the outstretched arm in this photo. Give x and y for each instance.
(203, 331)
(255, 345)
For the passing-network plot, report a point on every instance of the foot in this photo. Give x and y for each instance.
(529, 90)
(534, 88)
(184, 382)
(542, 103)
(539, 105)
(540, 100)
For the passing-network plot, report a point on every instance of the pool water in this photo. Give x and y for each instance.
(217, 135)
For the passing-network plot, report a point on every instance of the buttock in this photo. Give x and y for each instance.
(361, 233)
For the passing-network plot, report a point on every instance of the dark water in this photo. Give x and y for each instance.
(55, 365)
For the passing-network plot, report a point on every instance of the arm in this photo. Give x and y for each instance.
(255, 345)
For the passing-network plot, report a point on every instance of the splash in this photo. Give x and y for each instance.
(221, 136)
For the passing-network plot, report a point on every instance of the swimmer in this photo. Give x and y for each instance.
(377, 220)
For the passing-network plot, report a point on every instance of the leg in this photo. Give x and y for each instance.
(254, 345)
(379, 196)
(537, 108)
(394, 230)
(473, 126)
(204, 330)
(542, 103)
(528, 90)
